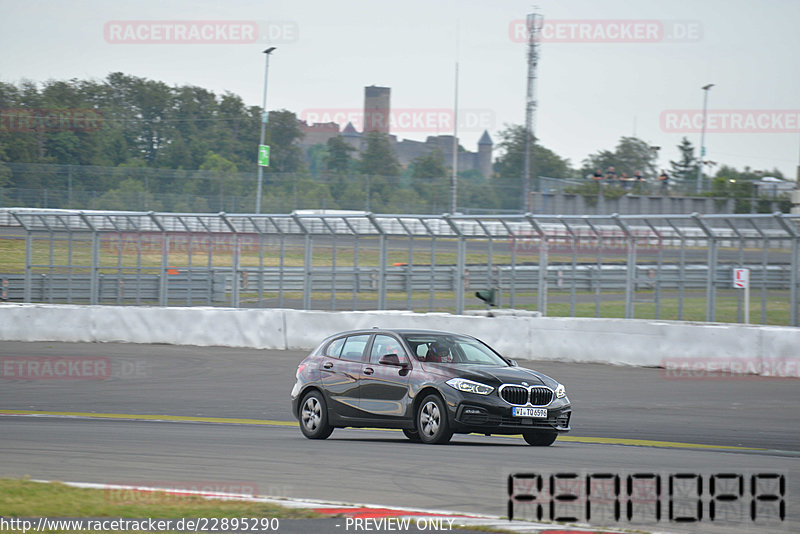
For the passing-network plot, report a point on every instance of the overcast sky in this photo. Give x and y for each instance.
(589, 92)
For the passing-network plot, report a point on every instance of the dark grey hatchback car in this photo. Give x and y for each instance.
(429, 384)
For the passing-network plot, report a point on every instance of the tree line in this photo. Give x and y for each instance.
(198, 146)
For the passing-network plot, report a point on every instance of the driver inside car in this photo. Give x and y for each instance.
(439, 352)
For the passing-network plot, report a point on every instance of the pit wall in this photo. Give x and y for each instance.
(765, 350)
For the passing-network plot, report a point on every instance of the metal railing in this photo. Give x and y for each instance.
(665, 266)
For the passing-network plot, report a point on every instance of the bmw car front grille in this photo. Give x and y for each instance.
(515, 395)
(520, 396)
(541, 396)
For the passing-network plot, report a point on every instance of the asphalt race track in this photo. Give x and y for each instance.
(627, 420)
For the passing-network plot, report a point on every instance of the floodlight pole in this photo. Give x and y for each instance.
(454, 176)
(264, 118)
(703, 139)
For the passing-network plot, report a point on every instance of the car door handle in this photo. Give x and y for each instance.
(369, 371)
(328, 365)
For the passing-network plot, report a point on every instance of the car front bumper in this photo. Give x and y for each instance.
(492, 415)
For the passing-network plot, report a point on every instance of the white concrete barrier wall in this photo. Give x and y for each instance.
(674, 345)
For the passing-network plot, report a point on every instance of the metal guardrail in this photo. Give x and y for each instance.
(515, 253)
(138, 288)
(200, 286)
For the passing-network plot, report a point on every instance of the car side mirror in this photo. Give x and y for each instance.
(513, 363)
(393, 360)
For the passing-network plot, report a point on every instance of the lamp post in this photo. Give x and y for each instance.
(798, 173)
(703, 139)
(264, 117)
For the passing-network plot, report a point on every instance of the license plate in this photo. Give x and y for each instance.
(538, 413)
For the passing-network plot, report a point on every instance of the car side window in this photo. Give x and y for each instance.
(383, 345)
(334, 348)
(354, 347)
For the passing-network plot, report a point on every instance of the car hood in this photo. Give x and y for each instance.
(492, 376)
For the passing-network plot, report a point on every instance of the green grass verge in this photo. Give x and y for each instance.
(24, 498)
(12, 255)
(778, 308)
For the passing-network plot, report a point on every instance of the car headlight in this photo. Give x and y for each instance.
(462, 384)
(561, 391)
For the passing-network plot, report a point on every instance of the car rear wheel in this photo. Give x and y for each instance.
(413, 435)
(314, 416)
(541, 438)
(432, 424)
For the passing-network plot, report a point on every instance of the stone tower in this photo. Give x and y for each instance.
(351, 136)
(485, 145)
(376, 109)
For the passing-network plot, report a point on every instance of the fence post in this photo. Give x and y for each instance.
(630, 274)
(543, 265)
(458, 279)
(382, 273)
(95, 261)
(94, 281)
(712, 267)
(795, 265)
(28, 268)
(382, 261)
(308, 265)
(236, 275)
(307, 262)
(162, 275)
(163, 284)
(234, 261)
(541, 294)
(793, 291)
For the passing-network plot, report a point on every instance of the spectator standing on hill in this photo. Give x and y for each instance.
(638, 181)
(624, 181)
(597, 177)
(663, 178)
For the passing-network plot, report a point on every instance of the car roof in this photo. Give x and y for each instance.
(398, 331)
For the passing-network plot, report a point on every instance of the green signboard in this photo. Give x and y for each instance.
(263, 155)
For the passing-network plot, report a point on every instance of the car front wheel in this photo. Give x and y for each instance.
(314, 416)
(541, 438)
(432, 424)
(413, 435)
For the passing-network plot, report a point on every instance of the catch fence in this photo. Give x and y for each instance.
(659, 266)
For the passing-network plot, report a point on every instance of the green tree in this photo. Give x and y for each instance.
(430, 165)
(317, 155)
(684, 171)
(339, 158)
(378, 157)
(509, 166)
(284, 132)
(630, 155)
(429, 175)
(220, 169)
(5, 175)
(634, 154)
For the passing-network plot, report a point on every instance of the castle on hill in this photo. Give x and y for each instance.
(377, 116)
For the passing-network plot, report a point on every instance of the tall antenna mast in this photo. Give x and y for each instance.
(454, 176)
(534, 25)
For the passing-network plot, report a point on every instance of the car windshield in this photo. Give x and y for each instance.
(452, 349)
